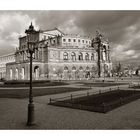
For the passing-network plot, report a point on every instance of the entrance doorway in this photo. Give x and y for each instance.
(36, 71)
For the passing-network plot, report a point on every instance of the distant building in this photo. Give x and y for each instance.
(138, 71)
(3, 60)
(59, 56)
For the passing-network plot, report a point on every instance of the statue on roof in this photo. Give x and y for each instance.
(98, 37)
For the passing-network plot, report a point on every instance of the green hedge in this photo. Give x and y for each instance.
(25, 82)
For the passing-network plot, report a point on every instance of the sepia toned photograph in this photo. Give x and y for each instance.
(69, 70)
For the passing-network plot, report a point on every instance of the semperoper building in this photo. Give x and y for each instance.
(60, 56)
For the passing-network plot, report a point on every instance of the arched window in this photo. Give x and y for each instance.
(73, 68)
(11, 74)
(87, 56)
(73, 56)
(104, 53)
(104, 47)
(65, 56)
(80, 56)
(65, 68)
(81, 68)
(105, 68)
(87, 68)
(36, 72)
(93, 69)
(16, 74)
(92, 56)
(22, 73)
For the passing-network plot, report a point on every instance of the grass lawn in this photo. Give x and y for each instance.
(103, 84)
(103, 102)
(24, 93)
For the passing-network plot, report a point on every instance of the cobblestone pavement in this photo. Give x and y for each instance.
(13, 114)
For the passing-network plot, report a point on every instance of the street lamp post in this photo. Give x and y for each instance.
(31, 43)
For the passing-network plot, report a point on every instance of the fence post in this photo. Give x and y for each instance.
(134, 90)
(121, 100)
(71, 97)
(50, 100)
(118, 87)
(104, 109)
(87, 93)
(132, 93)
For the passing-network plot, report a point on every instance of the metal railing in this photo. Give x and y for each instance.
(133, 85)
(88, 93)
(68, 101)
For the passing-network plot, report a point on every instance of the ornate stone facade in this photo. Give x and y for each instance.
(3, 60)
(59, 56)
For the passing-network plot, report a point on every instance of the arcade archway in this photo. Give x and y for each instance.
(36, 72)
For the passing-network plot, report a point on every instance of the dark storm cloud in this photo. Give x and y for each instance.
(122, 28)
(113, 23)
(50, 19)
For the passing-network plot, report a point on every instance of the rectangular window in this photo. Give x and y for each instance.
(64, 40)
(69, 40)
(83, 41)
(86, 41)
(44, 37)
(78, 40)
(74, 40)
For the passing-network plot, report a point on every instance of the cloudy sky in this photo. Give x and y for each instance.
(122, 28)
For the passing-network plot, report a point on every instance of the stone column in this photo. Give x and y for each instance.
(42, 55)
(108, 55)
(101, 55)
(38, 53)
